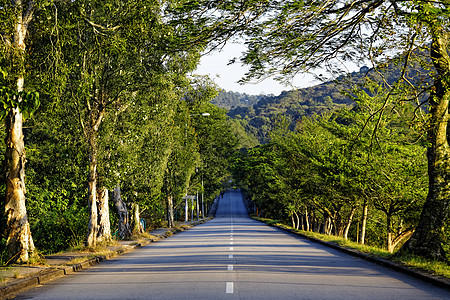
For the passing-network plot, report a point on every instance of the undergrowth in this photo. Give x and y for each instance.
(437, 268)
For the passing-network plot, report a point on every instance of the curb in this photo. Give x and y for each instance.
(45, 276)
(422, 275)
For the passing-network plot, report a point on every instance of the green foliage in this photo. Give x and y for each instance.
(118, 69)
(257, 119)
(57, 222)
(330, 166)
(27, 102)
(56, 172)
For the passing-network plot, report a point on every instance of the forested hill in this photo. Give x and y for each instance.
(230, 100)
(257, 114)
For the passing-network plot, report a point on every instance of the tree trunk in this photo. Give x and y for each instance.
(170, 221)
(19, 240)
(137, 227)
(124, 224)
(362, 234)
(349, 222)
(302, 222)
(328, 226)
(306, 220)
(298, 220)
(198, 207)
(427, 239)
(92, 192)
(389, 233)
(104, 227)
(400, 237)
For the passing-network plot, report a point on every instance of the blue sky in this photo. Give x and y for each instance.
(226, 77)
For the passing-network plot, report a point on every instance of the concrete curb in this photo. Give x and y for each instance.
(8, 291)
(419, 274)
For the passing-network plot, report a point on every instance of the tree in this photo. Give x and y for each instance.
(18, 104)
(296, 36)
(216, 141)
(328, 169)
(183, 159)
(121, 47)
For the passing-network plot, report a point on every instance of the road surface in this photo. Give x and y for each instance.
(235, 257)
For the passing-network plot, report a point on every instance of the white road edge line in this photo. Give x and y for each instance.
(229, 288)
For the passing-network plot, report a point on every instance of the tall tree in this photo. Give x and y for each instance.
(216, 141)
(121, 47)
(183, 159)
(297, 36)
(16, 19)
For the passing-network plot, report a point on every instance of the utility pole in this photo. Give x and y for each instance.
(186, 215)
(198, 208)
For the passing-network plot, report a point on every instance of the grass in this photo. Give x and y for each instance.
(16, 274)
(81, 259)
(147, 235)
(36, 259)
(437, 268)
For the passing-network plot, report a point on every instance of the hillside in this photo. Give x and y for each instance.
(231, 100)
(258, 118)
(258, 114)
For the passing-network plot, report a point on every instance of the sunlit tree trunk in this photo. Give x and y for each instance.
(389, 246)
(349, 223)
(92, 192)
(91, 133)
(19, 239)
(306, 219)
(137, 228)
(362, 233)
(170, 222)
(104, 227)
(328, 226)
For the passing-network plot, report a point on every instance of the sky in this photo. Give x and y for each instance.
(226, 76)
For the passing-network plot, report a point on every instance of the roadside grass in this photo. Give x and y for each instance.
(436, 268)
(82, 259)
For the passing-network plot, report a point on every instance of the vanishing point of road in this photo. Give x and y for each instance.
(235, 257)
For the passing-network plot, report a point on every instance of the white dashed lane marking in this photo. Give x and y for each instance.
(229, 288)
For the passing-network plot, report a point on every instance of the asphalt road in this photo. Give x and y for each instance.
(235, 257)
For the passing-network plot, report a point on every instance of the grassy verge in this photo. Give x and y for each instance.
(436, 268)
